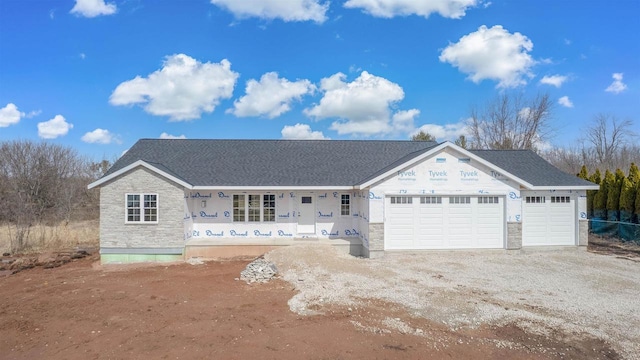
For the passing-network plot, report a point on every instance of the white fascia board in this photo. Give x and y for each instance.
(446, 144)
(582, 187)
(133, 166)
(274, 188)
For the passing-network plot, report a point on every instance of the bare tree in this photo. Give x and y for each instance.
(607, 136)
(512, 121)
(41, 183)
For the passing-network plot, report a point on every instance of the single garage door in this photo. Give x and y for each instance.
(548, 220)
(444, 222)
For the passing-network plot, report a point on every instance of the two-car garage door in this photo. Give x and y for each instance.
(444, 222)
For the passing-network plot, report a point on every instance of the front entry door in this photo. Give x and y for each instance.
(306, 214)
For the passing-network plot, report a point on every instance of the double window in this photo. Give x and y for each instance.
(142, 208)
(254, 208)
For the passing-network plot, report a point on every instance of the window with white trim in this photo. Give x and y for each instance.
(460, 200)
(269, 207)
(401, 200)
(560, 199)
(345, 205)
(430, 199)
(142, 208)
(254, 208)
(488, 200)
(535, 199)
(238, 208)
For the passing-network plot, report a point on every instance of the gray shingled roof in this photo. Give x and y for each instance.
(269, 162)
(311, 162)
(530, 167)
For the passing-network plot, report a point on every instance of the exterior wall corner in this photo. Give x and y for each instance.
(514, 235)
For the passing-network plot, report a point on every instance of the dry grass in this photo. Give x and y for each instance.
(58, 237)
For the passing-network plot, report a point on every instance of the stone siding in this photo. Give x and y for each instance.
(167, 233)
(376, 240)
(583, 233)
(514, 235)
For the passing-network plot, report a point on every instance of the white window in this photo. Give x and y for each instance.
(401, 200)
(535, 199)
(269, 207)
(254, 208)
(238, 208)
(488, 200)
(142, 208)
(345, 205)
(460, 200)
(430, 199)
(560, 199)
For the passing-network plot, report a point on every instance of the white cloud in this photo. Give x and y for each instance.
(363, 105)
(165, 135)
(454, 9)
(492, 53)
(564, 101)
(444, 132)
(403, 121)
(290, 10)
(10, 115)
(555, 80)
(271, 96)
(93, 8)
(301, 132)
(99, 136)
(54, 128)
(183, 89)
(617, 86)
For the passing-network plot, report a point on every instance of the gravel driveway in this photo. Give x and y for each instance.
(541, 291)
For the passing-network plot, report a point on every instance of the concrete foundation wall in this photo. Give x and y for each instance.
(514, 235)
(167, 233)
(583, 232)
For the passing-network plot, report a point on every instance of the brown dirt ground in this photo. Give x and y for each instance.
(82, 310)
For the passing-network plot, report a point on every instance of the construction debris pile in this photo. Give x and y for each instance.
(259, 270)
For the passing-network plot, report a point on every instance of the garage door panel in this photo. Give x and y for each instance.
(548, 222)
(459, 222)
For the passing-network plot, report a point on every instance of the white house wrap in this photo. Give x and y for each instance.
(247, 196)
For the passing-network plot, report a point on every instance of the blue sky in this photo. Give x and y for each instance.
(99, 75)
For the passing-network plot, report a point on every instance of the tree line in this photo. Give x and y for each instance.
(618, 198)
(44, 184)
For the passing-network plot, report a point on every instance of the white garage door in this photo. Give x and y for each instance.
(444, 222)
(548, 220)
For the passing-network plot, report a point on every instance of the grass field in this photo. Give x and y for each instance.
(61, 236)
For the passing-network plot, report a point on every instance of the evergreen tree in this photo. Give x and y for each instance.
(591, 194)
(596, 177)
(627, 200)
(637, 212)
(613, 196)
(583, 174)
(600, 198)
(634, 174)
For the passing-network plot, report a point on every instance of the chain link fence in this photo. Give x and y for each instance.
(625, 231)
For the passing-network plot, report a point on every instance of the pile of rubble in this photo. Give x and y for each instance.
(259, 270)
(11, 265)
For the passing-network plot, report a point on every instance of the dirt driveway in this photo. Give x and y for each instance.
(429, 305)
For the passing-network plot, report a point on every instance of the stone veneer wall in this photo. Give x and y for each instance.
(167, 233)
(376, 240)
(514, 235)
(583, 239)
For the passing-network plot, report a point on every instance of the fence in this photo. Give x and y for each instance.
(625, 231)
